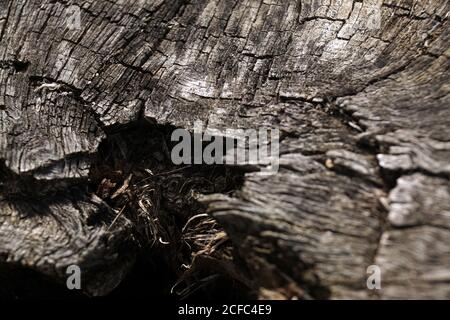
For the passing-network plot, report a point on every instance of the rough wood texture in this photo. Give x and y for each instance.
(364, 115)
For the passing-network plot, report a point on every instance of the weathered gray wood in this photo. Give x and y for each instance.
(364, 114)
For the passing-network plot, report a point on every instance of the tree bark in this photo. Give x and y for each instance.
(363, 110)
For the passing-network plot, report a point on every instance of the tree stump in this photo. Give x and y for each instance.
(362, 102)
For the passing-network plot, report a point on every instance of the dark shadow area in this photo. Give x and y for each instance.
(134, 173)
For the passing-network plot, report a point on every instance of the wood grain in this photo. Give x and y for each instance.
(364, 115)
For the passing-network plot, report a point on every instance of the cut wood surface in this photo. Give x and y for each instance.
(363, 109)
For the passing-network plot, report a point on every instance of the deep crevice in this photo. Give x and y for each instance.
(179, 242)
